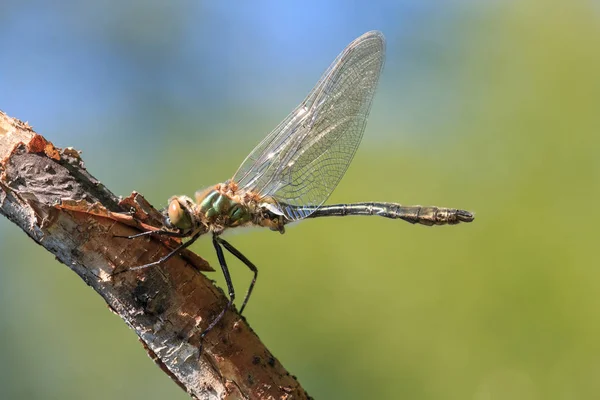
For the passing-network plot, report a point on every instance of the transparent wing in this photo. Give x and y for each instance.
(303, 159)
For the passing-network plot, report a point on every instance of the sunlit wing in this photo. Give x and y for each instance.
(303, 159)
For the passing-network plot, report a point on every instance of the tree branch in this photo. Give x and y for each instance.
(51, 196)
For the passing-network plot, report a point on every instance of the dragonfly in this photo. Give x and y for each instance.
(291, 173)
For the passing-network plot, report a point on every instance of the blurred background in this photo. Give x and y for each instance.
(490, 106)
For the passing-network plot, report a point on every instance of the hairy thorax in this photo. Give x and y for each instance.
(226, 206)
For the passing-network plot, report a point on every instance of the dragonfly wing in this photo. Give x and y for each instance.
(302, 160)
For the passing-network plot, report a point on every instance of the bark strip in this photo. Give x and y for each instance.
(48, 193)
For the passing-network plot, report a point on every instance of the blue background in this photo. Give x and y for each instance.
(490, 106)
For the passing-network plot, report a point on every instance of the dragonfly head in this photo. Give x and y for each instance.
(178, 214)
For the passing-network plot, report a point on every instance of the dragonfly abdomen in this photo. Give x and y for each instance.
(429, 215)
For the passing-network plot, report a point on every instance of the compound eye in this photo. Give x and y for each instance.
(178, 216)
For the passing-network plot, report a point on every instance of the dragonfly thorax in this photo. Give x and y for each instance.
(220, 207)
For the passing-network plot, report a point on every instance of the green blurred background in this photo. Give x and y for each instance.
(491, 106)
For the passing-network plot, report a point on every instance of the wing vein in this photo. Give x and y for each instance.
(303, 159)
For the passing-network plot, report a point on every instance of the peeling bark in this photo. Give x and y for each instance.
(51, 196)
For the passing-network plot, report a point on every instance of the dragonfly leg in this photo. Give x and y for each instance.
(216, 242)
(248, 263)
(165, 258)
